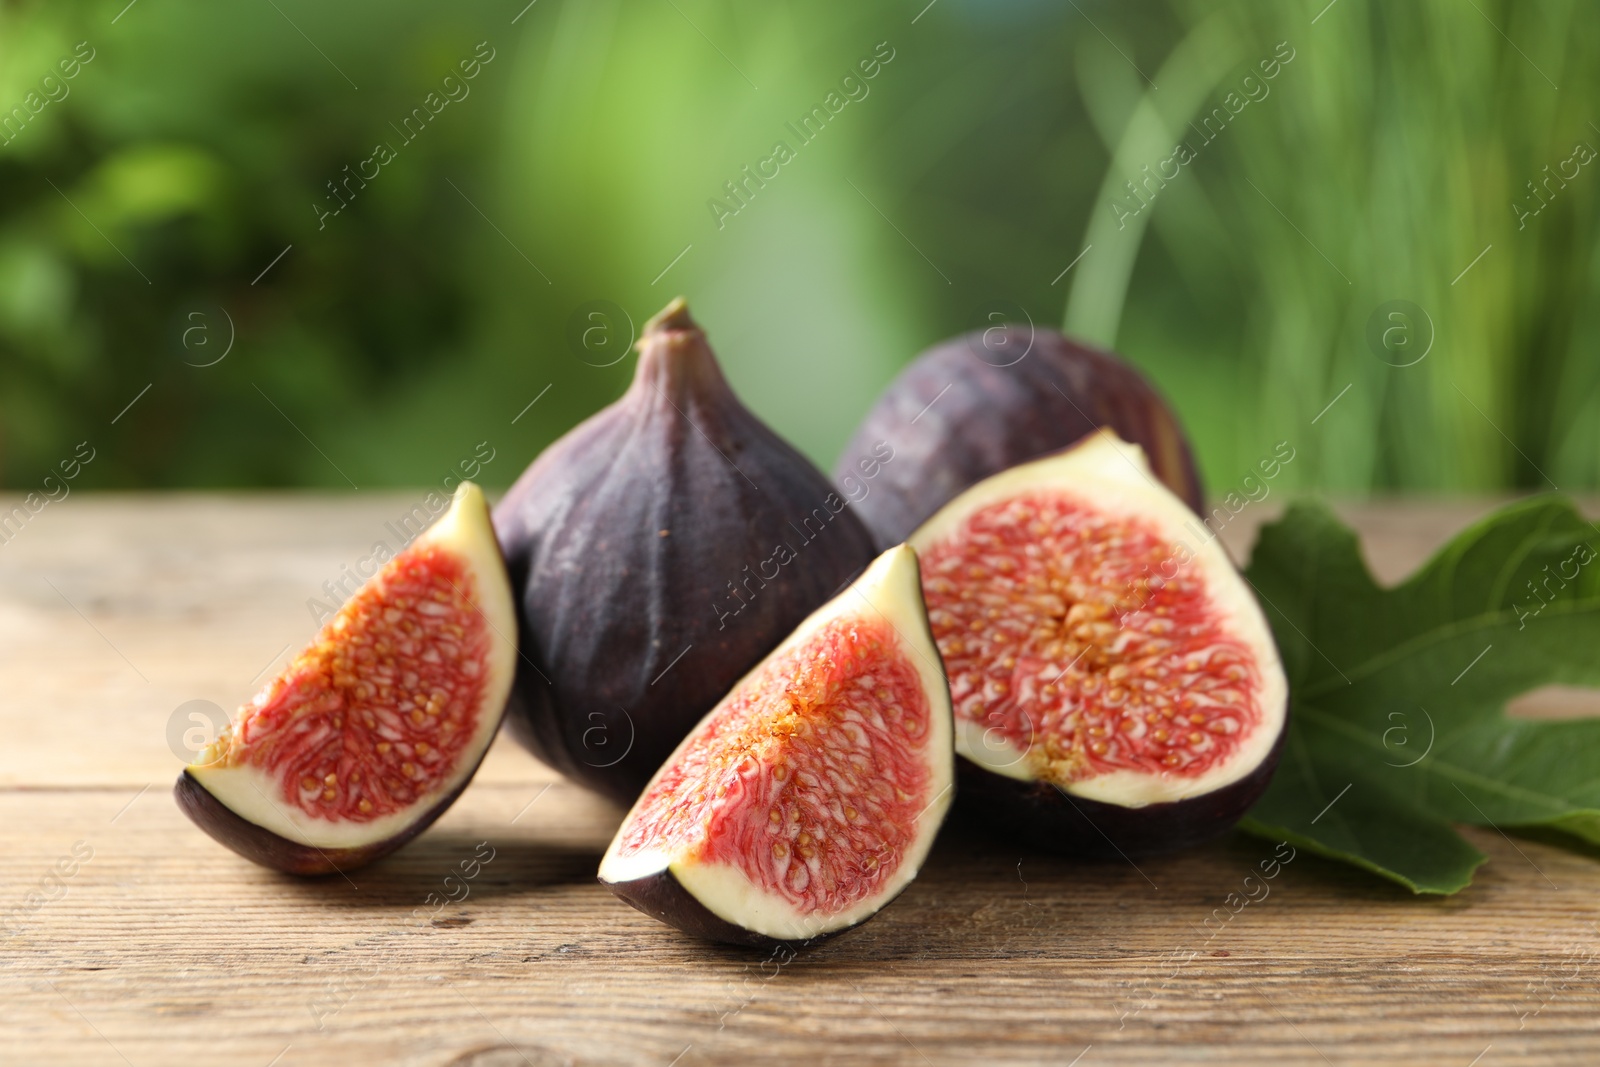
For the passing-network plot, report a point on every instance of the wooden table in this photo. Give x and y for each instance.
(163, 948)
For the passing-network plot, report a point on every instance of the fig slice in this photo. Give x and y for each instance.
(1115, 685)
(375, 728)
(808, 798)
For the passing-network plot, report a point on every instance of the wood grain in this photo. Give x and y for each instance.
(163, 948)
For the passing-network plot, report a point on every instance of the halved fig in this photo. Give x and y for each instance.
(808, 798)
(1116, 687)
(373, 730)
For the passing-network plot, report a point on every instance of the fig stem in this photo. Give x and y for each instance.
(675, 316)
(675, 360)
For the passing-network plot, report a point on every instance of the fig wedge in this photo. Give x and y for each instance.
(809, 797)
(375, 728)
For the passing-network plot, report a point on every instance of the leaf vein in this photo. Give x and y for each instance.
(1445, 770)
(1436, 635)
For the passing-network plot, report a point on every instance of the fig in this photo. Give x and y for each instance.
(978, 404)
(1115, 684)
(658, 551)
(375, 728)
(809, 796)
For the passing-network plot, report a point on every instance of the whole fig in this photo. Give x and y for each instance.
(978, 404)
(659, 551)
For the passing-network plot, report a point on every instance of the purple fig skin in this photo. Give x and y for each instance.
(1037, 813)
(260, 845)
(649, 533)
(662, 897)
(954, 419)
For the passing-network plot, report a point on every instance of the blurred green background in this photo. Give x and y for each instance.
(1399, 154)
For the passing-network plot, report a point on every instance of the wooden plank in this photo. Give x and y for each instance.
(173, 949)
(161, 947)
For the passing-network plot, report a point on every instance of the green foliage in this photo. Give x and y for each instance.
(198, 142)
(1384, 158)
(1396, 721)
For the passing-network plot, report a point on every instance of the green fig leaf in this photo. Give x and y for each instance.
(1397, 727)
